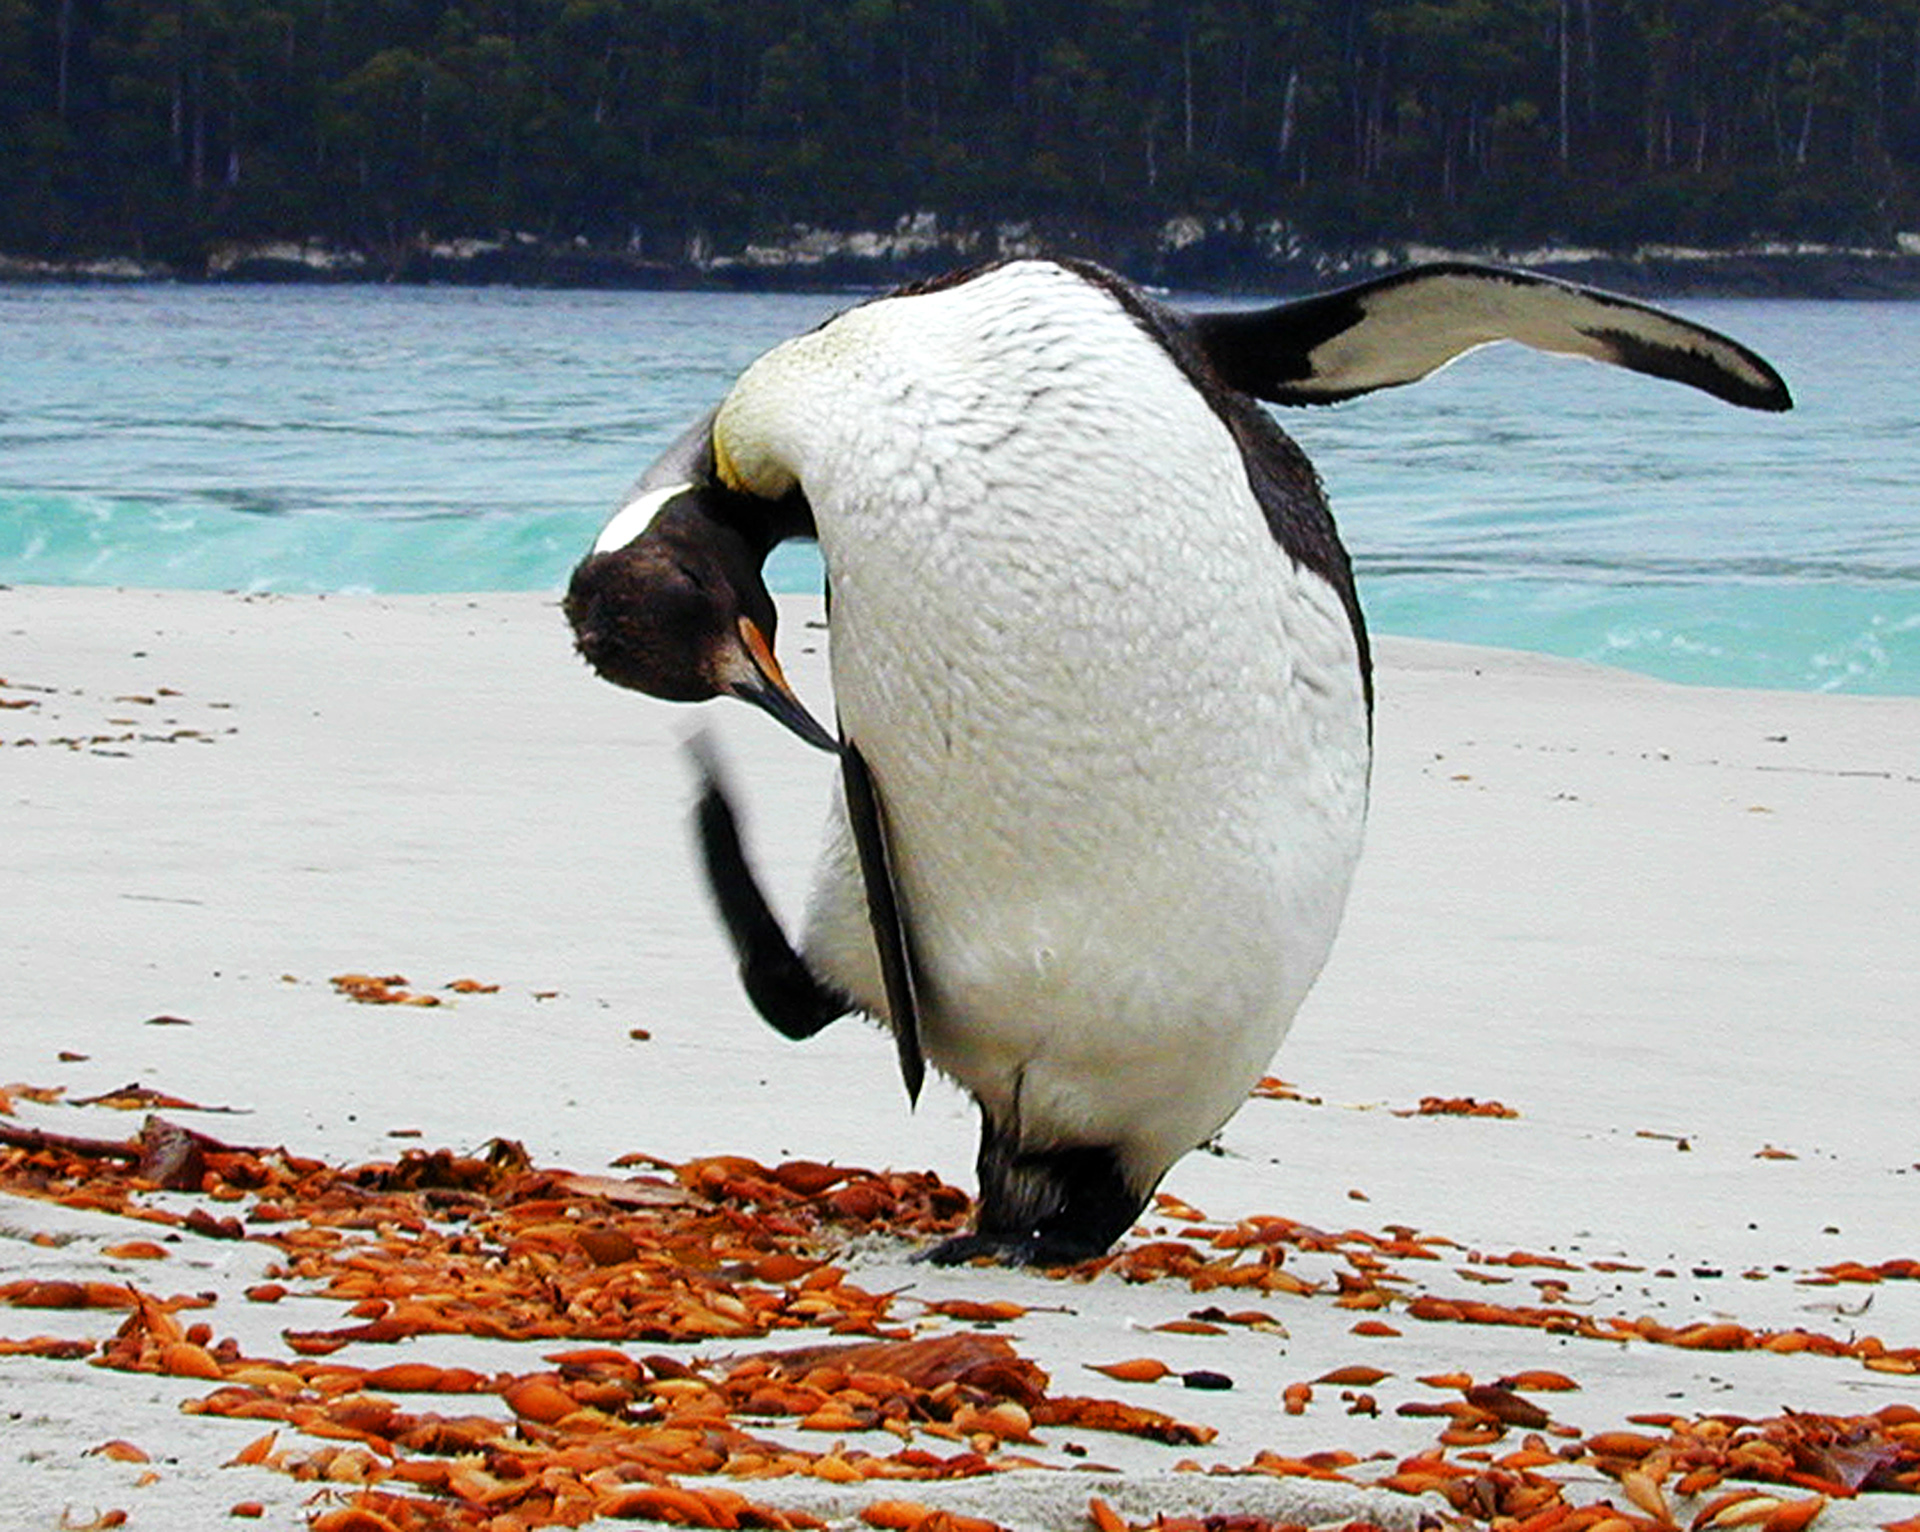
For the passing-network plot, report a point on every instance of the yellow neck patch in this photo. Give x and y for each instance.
(723, 464)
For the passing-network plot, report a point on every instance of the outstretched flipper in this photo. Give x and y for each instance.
(867, 819)
(1397, 329)
(778, 982)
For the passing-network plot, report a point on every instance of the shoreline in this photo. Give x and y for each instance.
(1671, 928)
(1405, 644)
(820, 262)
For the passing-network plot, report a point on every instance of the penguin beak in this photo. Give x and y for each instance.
(756, 677)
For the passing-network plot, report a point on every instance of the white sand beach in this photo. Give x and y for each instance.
(1675, 930)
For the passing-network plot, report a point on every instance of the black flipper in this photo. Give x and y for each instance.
(778, 982)
(1049, 1207)
(867, 819)
(1397, 329)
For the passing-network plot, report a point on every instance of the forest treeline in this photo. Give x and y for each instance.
(160, 127)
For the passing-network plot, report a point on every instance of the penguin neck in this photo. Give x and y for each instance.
(735, 527)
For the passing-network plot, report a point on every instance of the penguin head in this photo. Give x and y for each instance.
(676, 607)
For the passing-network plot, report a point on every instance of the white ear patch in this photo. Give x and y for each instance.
(632, 518)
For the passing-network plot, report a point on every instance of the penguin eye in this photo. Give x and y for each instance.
(692, 576)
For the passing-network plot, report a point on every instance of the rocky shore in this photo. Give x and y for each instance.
(1222, 255)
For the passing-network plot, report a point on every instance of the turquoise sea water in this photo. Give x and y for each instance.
(375, 439)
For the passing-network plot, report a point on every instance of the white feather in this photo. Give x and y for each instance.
(631, 519)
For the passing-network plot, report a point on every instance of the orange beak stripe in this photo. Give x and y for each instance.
(762, 653)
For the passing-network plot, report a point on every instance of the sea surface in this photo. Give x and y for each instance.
(406, 439)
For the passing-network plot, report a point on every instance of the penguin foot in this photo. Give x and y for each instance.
(1034, 1249)
(1046, 1207)
(794, 1002)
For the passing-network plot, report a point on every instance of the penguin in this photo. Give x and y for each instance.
(1103, 686)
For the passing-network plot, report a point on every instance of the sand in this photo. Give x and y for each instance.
(1676, 930)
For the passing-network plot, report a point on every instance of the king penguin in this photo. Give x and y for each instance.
(1103, 686)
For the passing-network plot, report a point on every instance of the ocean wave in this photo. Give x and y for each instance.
(419, 441)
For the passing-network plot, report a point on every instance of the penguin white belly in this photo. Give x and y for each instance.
(1120, 736)
(1113, 929)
